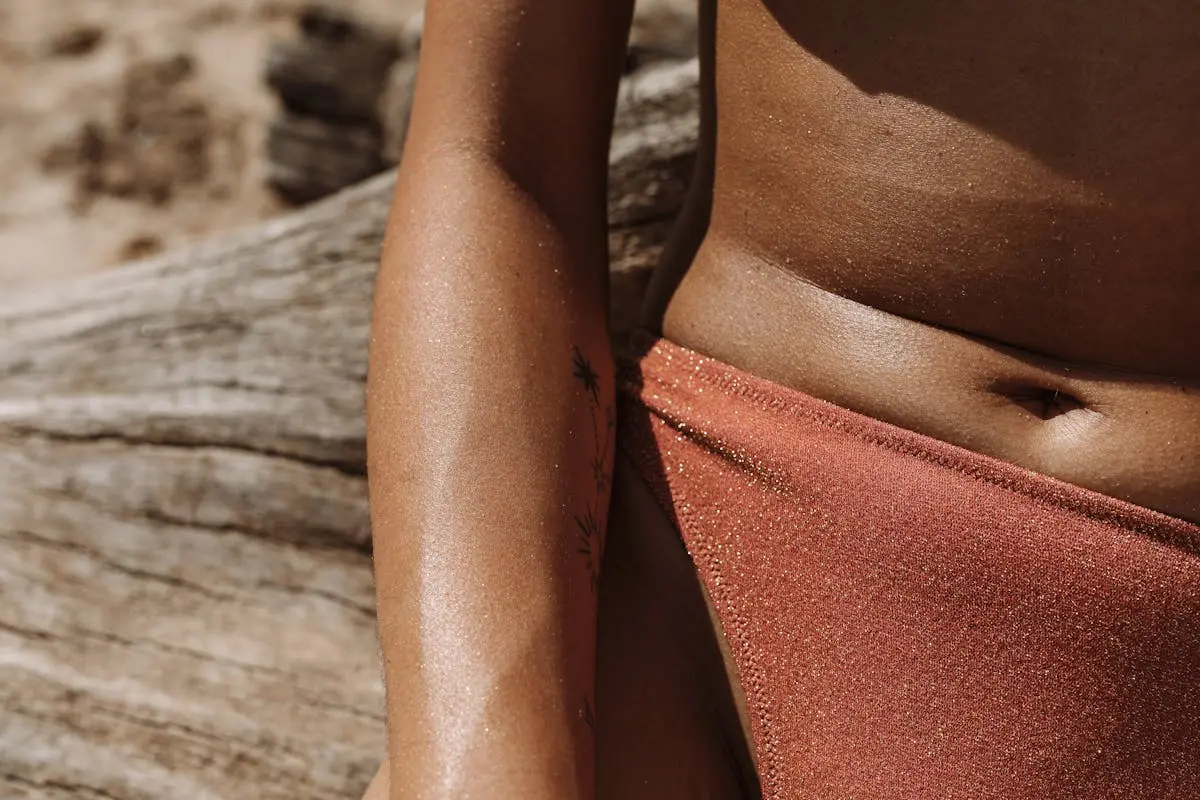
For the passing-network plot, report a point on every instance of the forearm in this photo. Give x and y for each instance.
(487, 509)
(490, 401)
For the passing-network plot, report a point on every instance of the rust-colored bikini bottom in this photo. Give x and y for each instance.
(913, 620)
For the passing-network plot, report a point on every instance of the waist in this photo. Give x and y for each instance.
(1126, 433)
(963, 627)
(904, 165)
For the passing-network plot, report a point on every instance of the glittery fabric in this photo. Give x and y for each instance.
(914, 620)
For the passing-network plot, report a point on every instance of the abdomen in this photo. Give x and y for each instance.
(974, 220)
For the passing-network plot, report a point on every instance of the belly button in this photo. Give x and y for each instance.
(1044, 403)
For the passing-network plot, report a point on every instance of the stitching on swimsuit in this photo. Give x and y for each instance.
(751, 676)
(1178, 533)
(1175, 532)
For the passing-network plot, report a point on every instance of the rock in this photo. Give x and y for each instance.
(329, 83)
(77, 41)
(140, 247)
(336, 71)
(157, 141)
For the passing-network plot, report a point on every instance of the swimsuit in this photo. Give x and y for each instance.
(910, 619)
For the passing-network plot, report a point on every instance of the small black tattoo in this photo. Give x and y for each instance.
(591, 544)
(584, 373)
(590, 528)
(599, 472)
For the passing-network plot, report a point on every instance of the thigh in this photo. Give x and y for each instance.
(667, 724)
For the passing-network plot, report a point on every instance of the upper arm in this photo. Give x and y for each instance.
(528, 83)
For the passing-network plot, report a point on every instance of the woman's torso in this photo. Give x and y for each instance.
(978, 221)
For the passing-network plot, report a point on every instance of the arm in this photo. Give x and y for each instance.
(490, 400)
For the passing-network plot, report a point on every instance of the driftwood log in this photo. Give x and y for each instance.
(186, 604)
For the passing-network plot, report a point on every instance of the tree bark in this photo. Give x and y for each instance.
(186, 603)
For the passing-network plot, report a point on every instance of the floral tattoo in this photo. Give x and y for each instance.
(589, 524)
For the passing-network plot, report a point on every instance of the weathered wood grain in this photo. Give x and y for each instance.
(186, 606)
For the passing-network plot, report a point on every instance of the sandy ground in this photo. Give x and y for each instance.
(132, 126)
(129, 126)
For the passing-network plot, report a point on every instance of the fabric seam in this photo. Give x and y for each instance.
(1167, 528)
(754, 682)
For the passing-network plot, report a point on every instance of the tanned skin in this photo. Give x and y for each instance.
(490, 401)
(975, 220)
